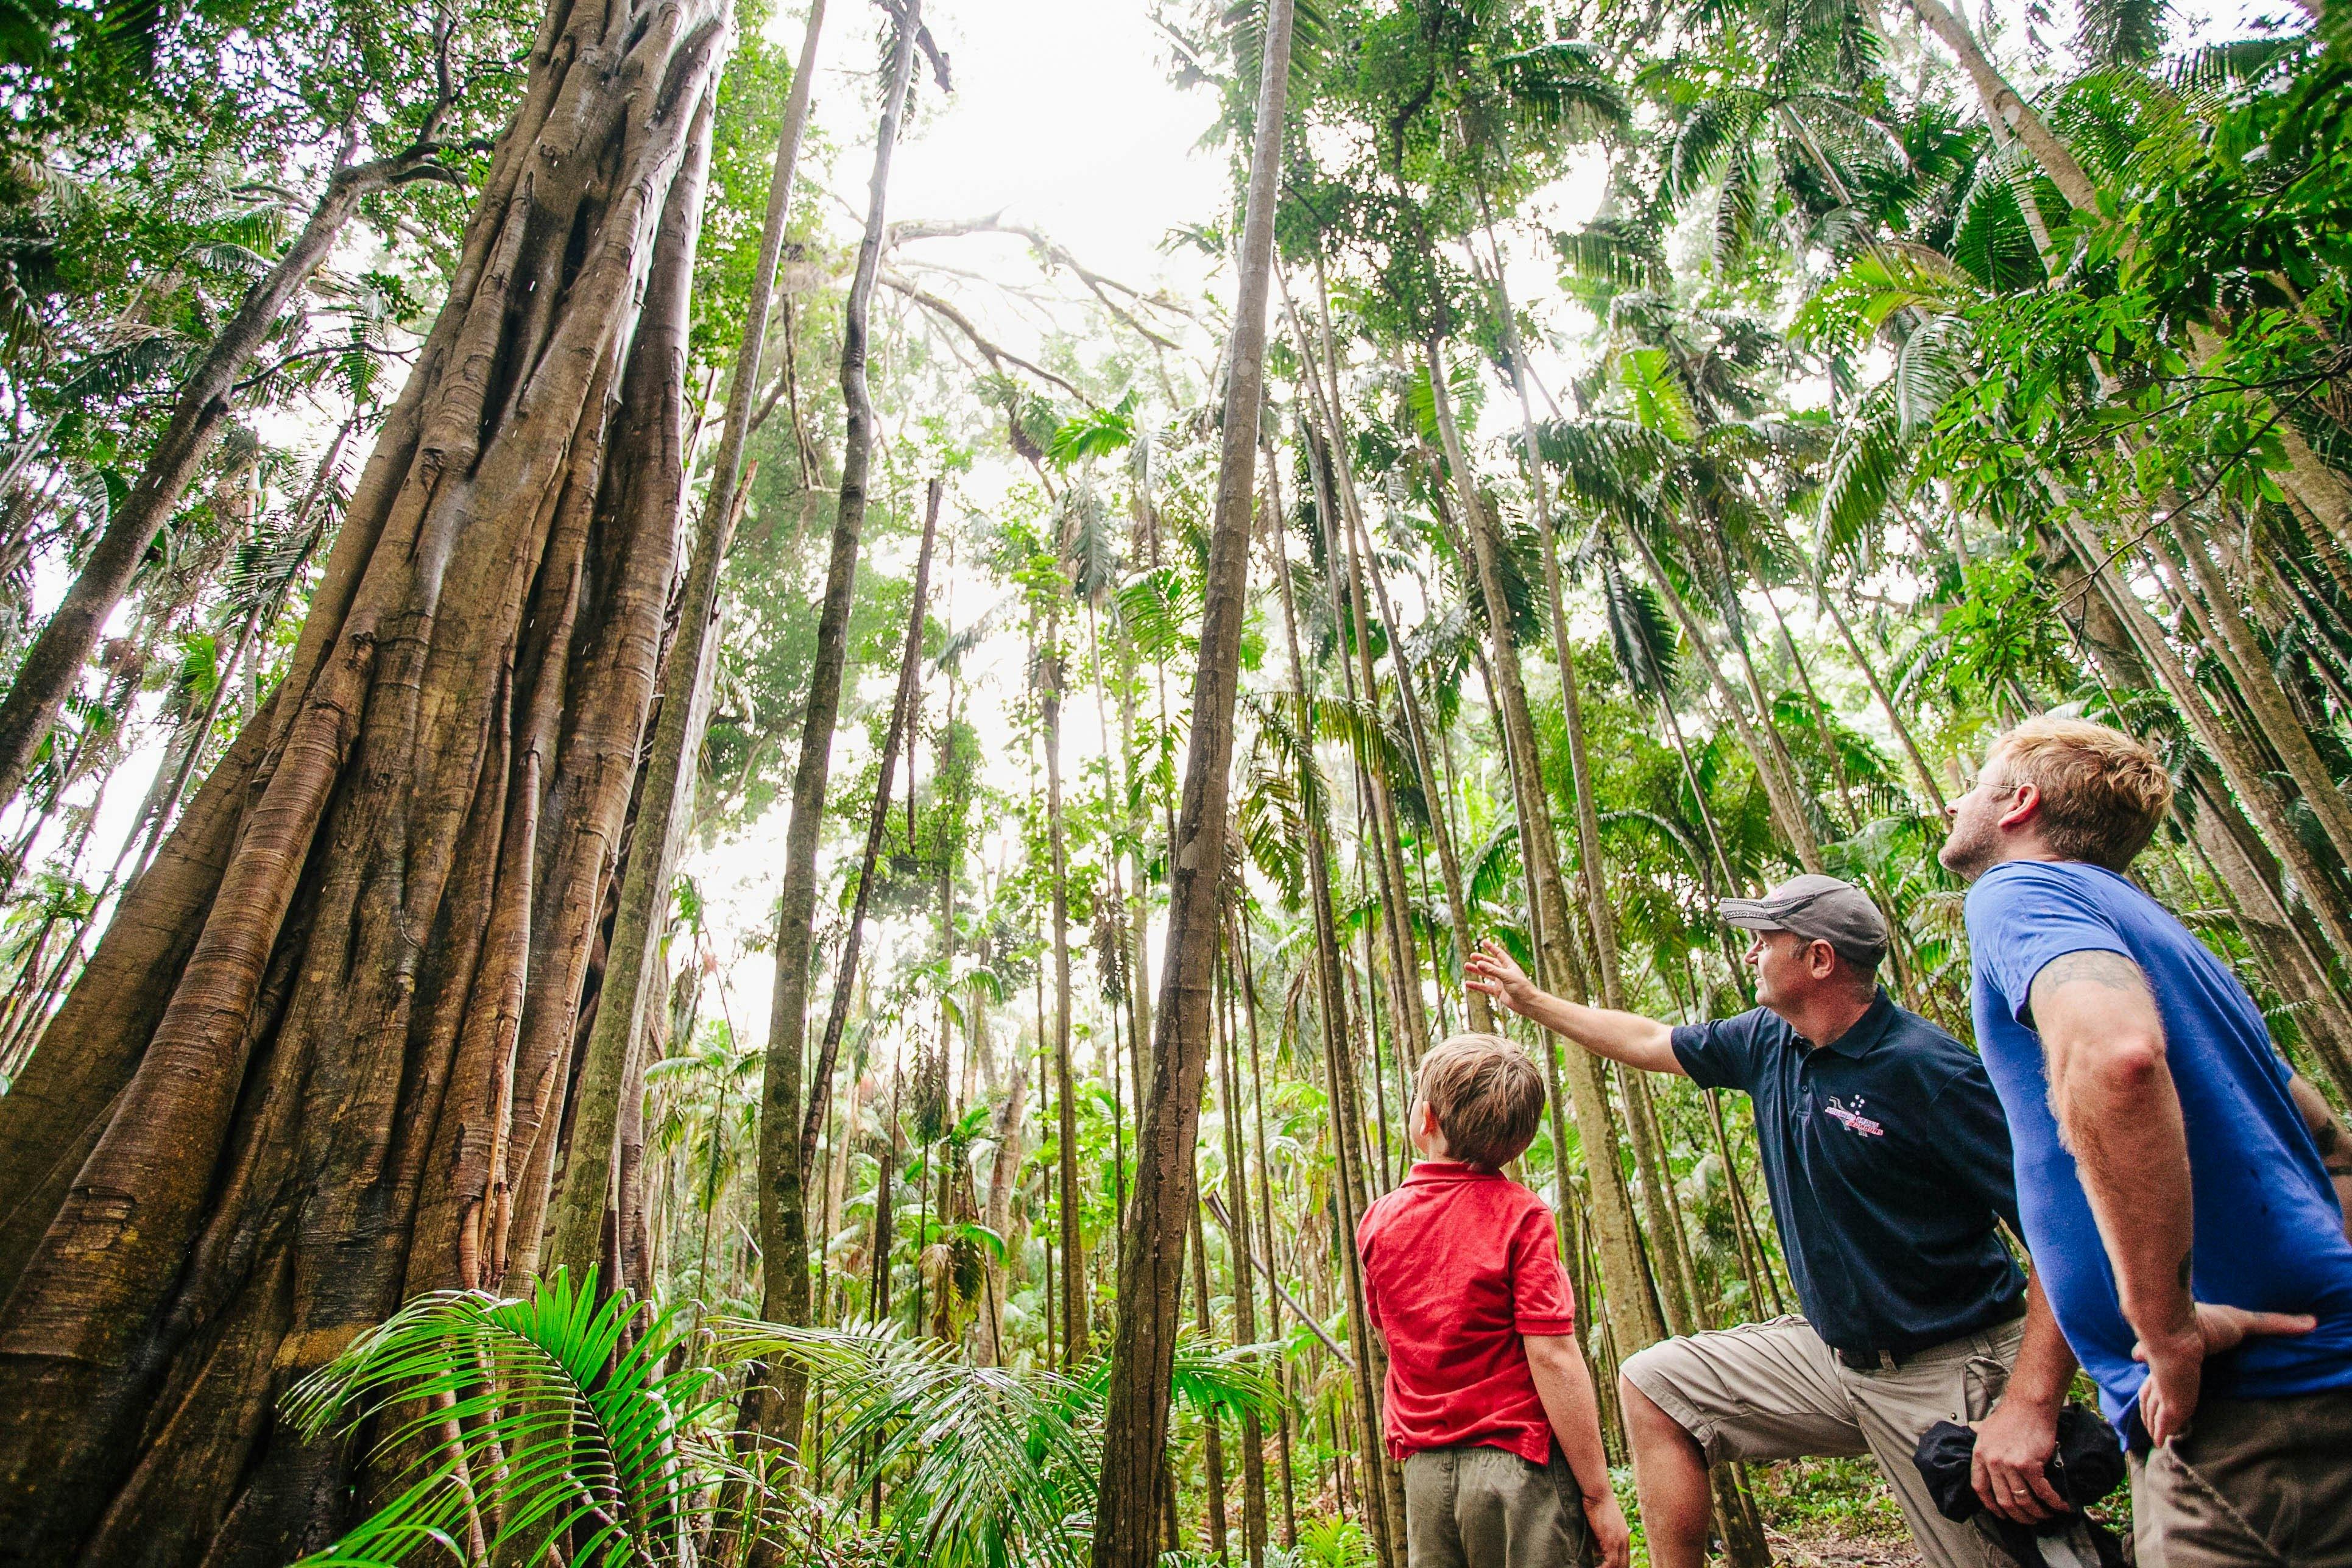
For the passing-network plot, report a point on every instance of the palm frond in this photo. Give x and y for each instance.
(1493, 871)
(2120, 32)
(987, 1466)
(1612, 255)
(537, 1425)
(1866, 464)
(1640, 633)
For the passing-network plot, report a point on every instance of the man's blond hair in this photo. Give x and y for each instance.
(2102, 792)
(1488, 1097)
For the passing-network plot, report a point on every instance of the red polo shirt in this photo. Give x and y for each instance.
(1458, 1264)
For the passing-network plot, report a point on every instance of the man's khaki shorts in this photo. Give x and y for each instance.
(2253, 1484)
(1774, 1391)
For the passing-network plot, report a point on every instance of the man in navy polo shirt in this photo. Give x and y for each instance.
(2182, 1190)
(1889, 1169)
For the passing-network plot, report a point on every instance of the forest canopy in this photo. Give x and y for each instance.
(698, 862)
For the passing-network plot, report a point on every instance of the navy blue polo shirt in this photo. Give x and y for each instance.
(1889, 1163)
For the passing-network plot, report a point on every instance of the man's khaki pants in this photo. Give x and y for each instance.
(2254, 1483)
(1488, 1508)
(1774, 1391)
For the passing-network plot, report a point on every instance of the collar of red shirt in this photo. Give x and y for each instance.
(1426, 1172)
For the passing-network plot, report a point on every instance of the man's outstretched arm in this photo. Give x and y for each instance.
(1627, 1038)
(2118, 1112)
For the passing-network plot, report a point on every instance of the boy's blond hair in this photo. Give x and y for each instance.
(1488, 1097)
(2103, 792)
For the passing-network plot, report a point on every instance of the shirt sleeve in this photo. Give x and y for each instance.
(2022, 915)
(1972, 1136)
(1542, 1301)
(1720, 1054)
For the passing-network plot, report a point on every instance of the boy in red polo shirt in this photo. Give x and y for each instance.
(1490, 1406)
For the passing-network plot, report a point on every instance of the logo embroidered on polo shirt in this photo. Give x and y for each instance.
(1853, 1120)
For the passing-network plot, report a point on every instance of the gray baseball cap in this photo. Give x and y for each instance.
(1819, 908)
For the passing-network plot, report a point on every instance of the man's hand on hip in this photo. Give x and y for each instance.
(2176, 1360)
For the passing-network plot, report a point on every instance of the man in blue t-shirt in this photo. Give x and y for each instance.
(2183, 1192)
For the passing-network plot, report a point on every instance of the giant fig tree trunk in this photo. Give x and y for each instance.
(317, 1064)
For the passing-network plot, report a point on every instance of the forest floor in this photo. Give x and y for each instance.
(1831, 1513)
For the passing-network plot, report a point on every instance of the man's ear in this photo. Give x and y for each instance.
(2022, 805)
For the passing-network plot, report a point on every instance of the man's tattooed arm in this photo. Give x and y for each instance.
(2111, 1090)
(2335, 1143)
(2108, 970)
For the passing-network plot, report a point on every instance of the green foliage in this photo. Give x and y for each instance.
(529, 1431)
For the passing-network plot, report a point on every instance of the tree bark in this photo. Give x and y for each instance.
(2003, 102)
(900, 735)
(2294, 957)
(1003, 1177)
(1212, 1440)
(1631, 1312)
(1144, 1344)
(323, 1043)
(783, 1206)
(1076, 1311)
(1343, 1117)
(1238, 1248)
(612, 1075)
(1324, 391)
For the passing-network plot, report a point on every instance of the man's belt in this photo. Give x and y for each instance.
(1880, 1359)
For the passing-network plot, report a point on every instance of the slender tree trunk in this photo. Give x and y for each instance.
(1075, 1310)
(1631, 1312)
(2295, 958)
(1213, 1440)
(1324, 393)
(1243, 1288)
(1003, 1178)
(2243, 769)
(1143, 1346)
(326, 1035)
(1885, 704)
(1677, 1283)
(632, 978)
(1265, 1233)
(1343, 1119)
(2249, 670)
(1592, 866)
(2003, 103)
(783, 1208)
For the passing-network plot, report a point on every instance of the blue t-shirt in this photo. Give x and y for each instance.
(2269, 1235)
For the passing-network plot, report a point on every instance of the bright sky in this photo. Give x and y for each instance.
(1064, 117)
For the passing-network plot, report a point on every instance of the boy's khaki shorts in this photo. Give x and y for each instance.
(2253, 1483)
(1488, 1508)
(1774, 1391)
